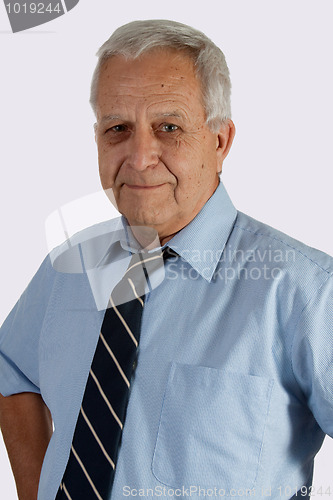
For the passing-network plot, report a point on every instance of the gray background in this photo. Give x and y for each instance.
(279, 169)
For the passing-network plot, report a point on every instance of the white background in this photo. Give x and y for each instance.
(280, 167)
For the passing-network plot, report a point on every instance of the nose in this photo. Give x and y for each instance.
(143, 149)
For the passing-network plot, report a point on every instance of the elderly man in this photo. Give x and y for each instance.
(228, 389)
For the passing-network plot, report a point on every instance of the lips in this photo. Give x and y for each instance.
(134, 186)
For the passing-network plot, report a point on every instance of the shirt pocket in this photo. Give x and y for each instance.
(211, 428)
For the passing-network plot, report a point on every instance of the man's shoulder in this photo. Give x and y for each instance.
(280, 245)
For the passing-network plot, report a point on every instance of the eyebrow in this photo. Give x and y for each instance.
(109, 118)
(174, 114)
(171, 114)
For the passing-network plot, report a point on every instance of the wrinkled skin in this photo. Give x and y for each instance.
(155, 149)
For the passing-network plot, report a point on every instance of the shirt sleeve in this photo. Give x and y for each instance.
(20, 334)
(312, 355)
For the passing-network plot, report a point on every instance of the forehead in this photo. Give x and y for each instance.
(159, 76)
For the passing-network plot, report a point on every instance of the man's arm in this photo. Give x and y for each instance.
(26, 426)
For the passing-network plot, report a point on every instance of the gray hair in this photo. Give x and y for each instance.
(139, 37)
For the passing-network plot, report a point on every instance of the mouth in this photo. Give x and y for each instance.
(134, 186)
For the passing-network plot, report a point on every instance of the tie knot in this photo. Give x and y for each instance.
(143, 265)
(136, 281)
(168, 253)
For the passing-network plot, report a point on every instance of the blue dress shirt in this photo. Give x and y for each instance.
(233, 390)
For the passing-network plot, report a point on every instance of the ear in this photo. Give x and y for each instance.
(224, 139)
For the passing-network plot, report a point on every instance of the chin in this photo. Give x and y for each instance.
(148, 222)
(143, 219)
(143, 216)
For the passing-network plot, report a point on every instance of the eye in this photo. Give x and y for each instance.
(169, 127)
(117, 133)
(117, 128)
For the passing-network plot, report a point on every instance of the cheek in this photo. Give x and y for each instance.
(107, 165)
(191, 145)
(184, 159)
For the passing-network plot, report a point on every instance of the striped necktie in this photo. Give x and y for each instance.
(91, 464)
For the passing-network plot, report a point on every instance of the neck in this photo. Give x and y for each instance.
(146, 236)
(167, 238)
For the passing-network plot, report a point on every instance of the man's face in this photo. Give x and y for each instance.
(155, 150)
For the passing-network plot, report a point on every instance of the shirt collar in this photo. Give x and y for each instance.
(202, 241)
